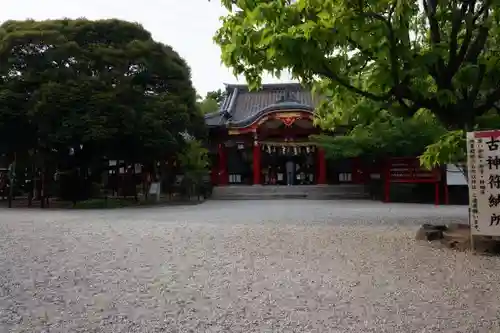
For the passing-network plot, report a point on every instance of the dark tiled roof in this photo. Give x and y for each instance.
(214, 119)
(242, 106)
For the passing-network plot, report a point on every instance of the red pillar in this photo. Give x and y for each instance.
(256, 163)
(321, 166)
(356, 171)
(387, 180)
(223, 176)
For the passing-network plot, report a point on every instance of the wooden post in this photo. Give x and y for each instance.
(223, 176)
(436, 194)
(472, 248)
(256, 162)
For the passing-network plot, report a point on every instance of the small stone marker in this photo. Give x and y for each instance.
(430, 232)
(457, 236)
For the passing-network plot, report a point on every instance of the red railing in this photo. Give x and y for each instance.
(409, 171)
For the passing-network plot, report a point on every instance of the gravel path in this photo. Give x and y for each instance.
(248, 266)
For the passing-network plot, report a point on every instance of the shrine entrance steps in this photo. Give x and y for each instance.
(269, 192)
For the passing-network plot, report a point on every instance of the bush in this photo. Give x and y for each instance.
(194, 164)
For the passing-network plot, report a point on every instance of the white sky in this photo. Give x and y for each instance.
(186, 25)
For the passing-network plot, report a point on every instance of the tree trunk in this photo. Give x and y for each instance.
(30, 195)
(136, 198)
(31, 192)
(42, 188)
(144, 178)
(123, 178)
(9, 195)
(37, 185)
(12, 173)
(117, 179)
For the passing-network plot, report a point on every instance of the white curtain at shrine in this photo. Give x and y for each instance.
(288, 148)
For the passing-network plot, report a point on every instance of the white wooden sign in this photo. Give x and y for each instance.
(137, 168)
(483, 159)
(455, 176)
(155, 189)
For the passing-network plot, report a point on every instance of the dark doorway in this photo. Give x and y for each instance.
(275, 167)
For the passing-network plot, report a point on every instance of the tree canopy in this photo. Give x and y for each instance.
(211, 102)
(384, 136)
(366, 57)
(76, 93)
(217, 95)
(208, 105)
(104, 85)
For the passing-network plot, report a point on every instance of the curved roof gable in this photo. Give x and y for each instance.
(242, 107)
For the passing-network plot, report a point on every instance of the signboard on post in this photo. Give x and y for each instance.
(483, 162)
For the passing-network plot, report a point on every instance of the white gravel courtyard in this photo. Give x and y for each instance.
(245, 266)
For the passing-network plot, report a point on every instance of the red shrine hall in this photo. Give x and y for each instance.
(262, 138)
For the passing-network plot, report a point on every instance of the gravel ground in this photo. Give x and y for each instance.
(248, 266)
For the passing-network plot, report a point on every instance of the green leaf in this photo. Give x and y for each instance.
(366, 52)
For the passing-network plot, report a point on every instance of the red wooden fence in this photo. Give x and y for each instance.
(409, 171)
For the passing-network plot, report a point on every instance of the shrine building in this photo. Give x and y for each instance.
(262, 138)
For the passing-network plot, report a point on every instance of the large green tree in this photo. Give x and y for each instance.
(211, 102)
(374, 55)
(104, 88)
(208, 105)
(385, 135)
(102, 83)
(217, 95)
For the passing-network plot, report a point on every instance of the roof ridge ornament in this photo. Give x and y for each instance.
(288, 96)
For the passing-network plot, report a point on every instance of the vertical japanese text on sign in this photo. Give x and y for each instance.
(483, 151)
